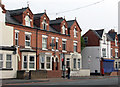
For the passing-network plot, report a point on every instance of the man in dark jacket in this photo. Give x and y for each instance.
(68, 72)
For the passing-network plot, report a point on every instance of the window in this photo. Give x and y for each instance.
(75, 32)
(27, 39)
(74, 62)
(116, 53)
(42, 62)
(56, 64)
(79, 63)
(119, 64)
(63, 45)
(25, 62)
(31, 62)
(115, 42)
(56, 44)
(44, 25)
(1, 61)
(8, 61)
(104, 52)
(63, 30)
(116, 65)
(44, 43)
(27, 20)
(85, 40)
(48, 62)
(16, 38)
(111, 53)
(52, 43)
(104, 39)
(75, 47)
(68, 62)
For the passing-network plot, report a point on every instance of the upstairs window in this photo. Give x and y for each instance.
(27, 39)
(116, 53)
(75, 47)
(56, 44)
(63, 45)
(63, 30)
(44, 43)
(85, 40)
(16, 38)
(104, 52)
(75, 32)
(27, 20)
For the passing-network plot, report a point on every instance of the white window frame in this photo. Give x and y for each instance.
(74, 65)
(75, 45)
(116, 53)
(44, 36)
(63, 30)
(8, 61)
(104, 52)
(25, 62)
(48, 62)
(1, 60)
(67, 61)
(57, 44)
(31, 62)
(52, 41)
(27, 34)
(16, 39)
(44, 24)
(78, 61)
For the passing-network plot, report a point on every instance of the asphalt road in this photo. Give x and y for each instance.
(107, 82)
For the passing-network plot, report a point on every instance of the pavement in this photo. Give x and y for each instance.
(34, 81)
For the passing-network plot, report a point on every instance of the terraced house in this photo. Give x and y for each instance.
(45, 46)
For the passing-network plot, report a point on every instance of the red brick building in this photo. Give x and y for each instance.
(45, 44)
(115, 53)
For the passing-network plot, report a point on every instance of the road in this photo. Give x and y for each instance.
(110, 82)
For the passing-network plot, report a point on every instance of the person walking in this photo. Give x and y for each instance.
(68, 72)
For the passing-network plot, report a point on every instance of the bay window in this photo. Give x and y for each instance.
(74, 63)
(79, 63)
(1, 60)
(8, 61)
(48, 62)
(31, 62)
(25, 62)
(104, 52)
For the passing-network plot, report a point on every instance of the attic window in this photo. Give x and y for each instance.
(27, 20)
(75, 32)
(44, 24)
(63, 30)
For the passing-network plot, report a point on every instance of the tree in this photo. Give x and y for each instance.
(82, 43)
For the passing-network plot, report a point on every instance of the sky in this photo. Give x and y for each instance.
(103, 15)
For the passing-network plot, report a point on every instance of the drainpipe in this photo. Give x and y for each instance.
(36, 46)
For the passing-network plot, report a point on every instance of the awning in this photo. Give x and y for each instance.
(109, 60)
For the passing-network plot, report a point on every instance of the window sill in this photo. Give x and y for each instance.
(6, 69)
(44, 49)
(27, 47)
(64, 51)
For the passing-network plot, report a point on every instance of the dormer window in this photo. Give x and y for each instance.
(27, 20)
(75, 32)
(44, 24)
(63, 30)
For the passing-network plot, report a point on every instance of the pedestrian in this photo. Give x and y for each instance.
(68, 72)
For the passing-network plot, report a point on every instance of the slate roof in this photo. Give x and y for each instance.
(58, 21)
(70, 23)
(108, 37)
(17, 11)
(99, 33)
(112, 35)
(119, 37)
(37, 16)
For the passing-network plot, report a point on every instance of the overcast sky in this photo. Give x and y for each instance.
(103, 15)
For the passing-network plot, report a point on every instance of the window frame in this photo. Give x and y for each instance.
(44, 43)
(9, 61)
(78, 63)
(75, 46)
(1, 60)
(64, 45)
(28, 41)
(16, 39)
(31, 62)
(75, 32)
(48, 62)
(104, 52)
(25, 61)
(27, 20)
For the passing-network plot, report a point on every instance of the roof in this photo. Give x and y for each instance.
(70, 23)
(37, 16)
(112, 35)
(108, 37)
(99, 33)
(58, 21)
(17, 11)
(119, 37)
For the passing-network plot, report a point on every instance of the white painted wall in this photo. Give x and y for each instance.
(91, 58)
(6, 32)
(9, 73)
